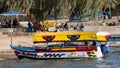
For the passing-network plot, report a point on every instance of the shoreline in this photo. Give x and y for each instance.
(5, 40)
(6, 51)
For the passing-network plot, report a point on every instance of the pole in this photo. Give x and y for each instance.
(11, 32)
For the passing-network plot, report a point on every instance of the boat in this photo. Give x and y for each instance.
(65, 45)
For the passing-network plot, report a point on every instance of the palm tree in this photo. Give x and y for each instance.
(82, 8)
(102, 3)
(40, 9)
(3, 6)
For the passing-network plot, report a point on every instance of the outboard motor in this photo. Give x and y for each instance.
(105, 48)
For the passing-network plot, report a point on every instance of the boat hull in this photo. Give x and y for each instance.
(61, 52)
(54, 55)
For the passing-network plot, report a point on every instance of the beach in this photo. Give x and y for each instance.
(26, 38)
(6, 51)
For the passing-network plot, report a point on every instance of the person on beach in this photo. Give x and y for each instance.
(109, 14)
(15, 23)
(104, 13)
(30, 26)
(103, 23)
(81, 27)
(78, 27)
(4, 23)
(65, 26)
(71, 28)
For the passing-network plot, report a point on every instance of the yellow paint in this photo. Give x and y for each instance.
(101, 38)
(93, 51)
(62, 36)
(49, 24)
(74, 52)
(57, 49)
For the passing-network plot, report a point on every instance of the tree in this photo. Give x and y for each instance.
(40, 9)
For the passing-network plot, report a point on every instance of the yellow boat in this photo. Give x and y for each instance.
(75, 45)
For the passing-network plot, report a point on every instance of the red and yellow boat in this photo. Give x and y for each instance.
(65, 45)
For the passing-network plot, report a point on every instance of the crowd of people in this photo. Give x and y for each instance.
(106, 12)
(111, 23)
(58, 27)
(66, 27)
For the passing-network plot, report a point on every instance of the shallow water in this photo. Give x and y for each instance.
(112, 60)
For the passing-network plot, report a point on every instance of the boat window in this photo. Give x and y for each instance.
(87, 43)
(71, 44)
(81, 43)
(53, 46)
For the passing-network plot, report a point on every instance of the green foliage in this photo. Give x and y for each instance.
(70, 8)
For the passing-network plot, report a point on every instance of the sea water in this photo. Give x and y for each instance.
(111, 60)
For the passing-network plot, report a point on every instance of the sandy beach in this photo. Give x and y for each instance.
(6, 51)
(5, 41)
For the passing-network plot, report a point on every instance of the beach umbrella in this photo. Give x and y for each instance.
(77, 20)
(52, 16)
(98, 15)
(11, 13)
(89, 15)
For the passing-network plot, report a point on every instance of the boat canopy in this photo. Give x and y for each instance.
(67, 36)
